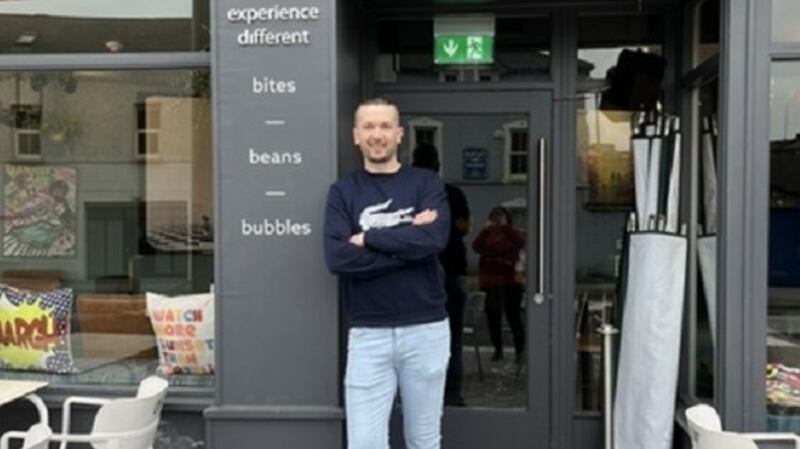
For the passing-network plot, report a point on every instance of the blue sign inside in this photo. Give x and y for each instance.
(476, 164)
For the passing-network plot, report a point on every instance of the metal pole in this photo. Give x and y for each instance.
(608, 331)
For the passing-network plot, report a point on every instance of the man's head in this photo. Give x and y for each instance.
(377, 131)
(426, 156)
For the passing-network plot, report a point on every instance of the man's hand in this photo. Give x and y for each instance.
(357, 239)
(425, 217)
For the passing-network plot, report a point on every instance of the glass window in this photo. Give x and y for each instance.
(705, 329)
(783, 319)
(518, 153)
(604, 198)
(114, 26)
(707, 35)
(405, 53)
(27, 130)
(117, 205)
(484, 262)
(785, 17)
(601, 39)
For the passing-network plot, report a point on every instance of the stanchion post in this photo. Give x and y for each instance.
(608, 331)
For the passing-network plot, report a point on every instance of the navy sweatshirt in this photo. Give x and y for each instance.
(396, 278)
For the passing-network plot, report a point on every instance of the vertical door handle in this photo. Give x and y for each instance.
(540, 295)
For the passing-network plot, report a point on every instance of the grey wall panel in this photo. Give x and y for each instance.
(276, 297)
(349, 88)
(586, 430)
(277, 307)
(278, 435)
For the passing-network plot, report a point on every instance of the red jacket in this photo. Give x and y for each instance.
(498, 247)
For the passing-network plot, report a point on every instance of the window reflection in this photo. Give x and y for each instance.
(604, 198)
(601, 39)
(785, 17)
(484, 261)
(783, 339)
(43, 26)
(707, 35)
(706, 305)
(106, 180)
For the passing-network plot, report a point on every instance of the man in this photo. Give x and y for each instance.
(385, 226)
(454, 262)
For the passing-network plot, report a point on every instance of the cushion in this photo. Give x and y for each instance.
(184, 328)
(35, 330)
(102, 315)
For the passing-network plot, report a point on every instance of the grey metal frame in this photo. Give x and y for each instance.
(743, 202)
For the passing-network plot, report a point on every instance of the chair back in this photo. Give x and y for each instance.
(702, 418)
(37, 437)
(724, 440)
(135, 420)
(705, 431)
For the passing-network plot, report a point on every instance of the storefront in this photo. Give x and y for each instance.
(168, 165)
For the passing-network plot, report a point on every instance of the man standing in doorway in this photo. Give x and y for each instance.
(385, 226)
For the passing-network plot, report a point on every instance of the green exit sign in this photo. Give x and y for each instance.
(463, 49)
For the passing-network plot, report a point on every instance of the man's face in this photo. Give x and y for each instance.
(377, 133)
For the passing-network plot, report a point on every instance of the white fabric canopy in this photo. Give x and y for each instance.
(647, 378)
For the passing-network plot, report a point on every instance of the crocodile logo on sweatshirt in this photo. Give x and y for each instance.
(374, 217)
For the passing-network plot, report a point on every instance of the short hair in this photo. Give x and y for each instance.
(425, 155)
(376, 101)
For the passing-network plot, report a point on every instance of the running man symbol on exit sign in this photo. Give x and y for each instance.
(464, 49)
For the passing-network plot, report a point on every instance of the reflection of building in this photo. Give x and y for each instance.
(785, 184)
(69, 34)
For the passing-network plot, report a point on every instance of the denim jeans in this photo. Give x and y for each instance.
(379, 360)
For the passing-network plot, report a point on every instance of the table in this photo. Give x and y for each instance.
(11, 390)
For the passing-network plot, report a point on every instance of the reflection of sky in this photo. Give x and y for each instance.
(101, 8)
(785, 19)
(785, 100)
(602, 59)
(605, 58)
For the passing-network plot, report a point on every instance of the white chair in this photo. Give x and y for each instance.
(125, 423)
(37, 437)
(705, 431)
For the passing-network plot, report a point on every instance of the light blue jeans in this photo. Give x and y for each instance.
(381, 359)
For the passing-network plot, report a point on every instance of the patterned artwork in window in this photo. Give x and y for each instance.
(39, 211)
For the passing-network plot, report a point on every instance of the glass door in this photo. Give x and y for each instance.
(490, 147)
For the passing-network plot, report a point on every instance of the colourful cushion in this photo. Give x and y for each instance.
(184, 329)
(35, 330)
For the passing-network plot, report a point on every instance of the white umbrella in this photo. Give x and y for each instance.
(673, 199)
(707, 245)
(641, 164)
(653, 181)
(647, 378)
(709, 179)
(707, 255)
(654, 283)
